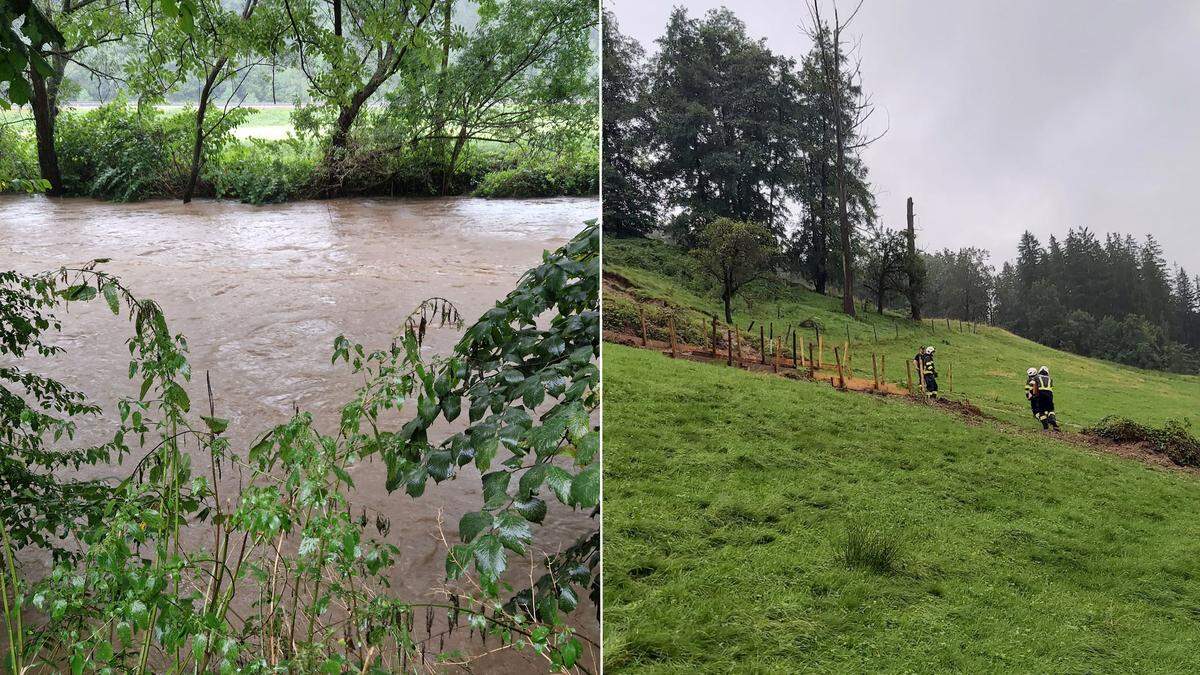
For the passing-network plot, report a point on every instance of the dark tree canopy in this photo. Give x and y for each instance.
(630, 205)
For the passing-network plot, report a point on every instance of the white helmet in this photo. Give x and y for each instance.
(1031, 372)
(1045, 370)
(929, 350)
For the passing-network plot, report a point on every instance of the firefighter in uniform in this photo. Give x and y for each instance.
(928, 371)
(1034, 401)
(1043, 388)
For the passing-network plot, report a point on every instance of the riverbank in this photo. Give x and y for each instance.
(117, 153)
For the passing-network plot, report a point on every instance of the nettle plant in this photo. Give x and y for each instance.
(292, 579)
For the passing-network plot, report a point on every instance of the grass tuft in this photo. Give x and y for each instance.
(870, 548)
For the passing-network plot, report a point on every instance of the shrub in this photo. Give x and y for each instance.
(18, 159)
(573, 175)
(119, 153)
(263, 172)
(1174, 439)
(872, 549)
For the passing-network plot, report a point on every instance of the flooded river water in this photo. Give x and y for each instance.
(261, 292)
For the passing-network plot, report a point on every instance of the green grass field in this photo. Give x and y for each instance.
(988, 366)
(267, 122)
(729, 496)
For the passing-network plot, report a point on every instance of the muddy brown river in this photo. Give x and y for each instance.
(261, 292)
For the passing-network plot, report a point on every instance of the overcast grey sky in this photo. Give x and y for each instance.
(1014, 115)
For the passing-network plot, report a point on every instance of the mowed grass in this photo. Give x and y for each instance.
(728, 497)
(266, 122)
(988, 365)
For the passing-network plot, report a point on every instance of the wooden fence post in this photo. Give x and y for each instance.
(714, 335)
(876, 332)
(820, 351)
(811, 363)
(671, 327)
(883, 370)
(642, 314)
(875, 369)
(950, 375)
(837, 357)
(794, 364)
(778, 347)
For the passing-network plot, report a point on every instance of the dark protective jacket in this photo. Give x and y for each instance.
(1044, 383)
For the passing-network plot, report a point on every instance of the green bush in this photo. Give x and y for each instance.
(119, 153)
(574, 175)
(263, 172)
(18, 159)
(1174, 439)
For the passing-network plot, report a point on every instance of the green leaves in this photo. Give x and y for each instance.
(472, 524)
(216, 425)
(79, 293)
(495, 489)
(110, 296)
(489, 557)
(585, 487)
(514, 531)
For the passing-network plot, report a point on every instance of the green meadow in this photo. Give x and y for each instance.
(759, 524)
(988, 364)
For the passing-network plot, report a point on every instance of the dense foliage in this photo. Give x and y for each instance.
(293, 579)
(397, 97)
(1116, 300)
(716, 125)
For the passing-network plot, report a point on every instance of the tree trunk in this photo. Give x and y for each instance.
(844, 221)
(820, 241)
(459, 144)
(914, 299)
(44, 112)
(728, 300)
(349, 112)
(189, 190)
(439, 119)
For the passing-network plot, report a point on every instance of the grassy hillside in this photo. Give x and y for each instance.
(729, 497)
(989, 365)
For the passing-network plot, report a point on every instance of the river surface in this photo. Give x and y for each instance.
(260, 292)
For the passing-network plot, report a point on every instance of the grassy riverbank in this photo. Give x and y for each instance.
(730, 496)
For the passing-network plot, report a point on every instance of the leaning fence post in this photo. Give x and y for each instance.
(883, 370)
(671, 326)
(875, 370)
(642, 314)
(837, 357)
